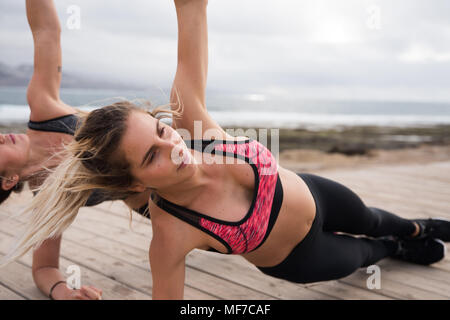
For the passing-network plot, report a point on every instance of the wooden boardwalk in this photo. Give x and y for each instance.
(114, 258)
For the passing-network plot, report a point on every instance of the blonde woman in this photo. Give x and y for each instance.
(52, 124)
(282, 222)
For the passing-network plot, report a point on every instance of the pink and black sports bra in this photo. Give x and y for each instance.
(250, 232)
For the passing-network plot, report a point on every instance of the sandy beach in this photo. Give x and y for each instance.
(345, 147)
(312, 160)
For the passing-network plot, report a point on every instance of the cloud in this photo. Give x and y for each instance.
(418, 53)
(328, 48)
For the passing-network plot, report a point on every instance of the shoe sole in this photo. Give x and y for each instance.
(444, 247)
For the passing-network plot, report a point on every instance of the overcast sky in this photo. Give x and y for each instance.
(349, 49)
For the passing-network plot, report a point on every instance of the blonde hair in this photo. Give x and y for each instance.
(91, 161)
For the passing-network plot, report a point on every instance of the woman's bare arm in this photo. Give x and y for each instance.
(172, 241)
(192, 47)
(43, 89)
(46, 273)
(168, 270)
(192, 69)
(45, 267)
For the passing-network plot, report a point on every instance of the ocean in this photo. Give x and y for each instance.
(253, 110)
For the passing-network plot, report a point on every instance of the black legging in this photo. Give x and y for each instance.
(323, 255)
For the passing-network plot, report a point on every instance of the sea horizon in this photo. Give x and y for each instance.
(252, 109)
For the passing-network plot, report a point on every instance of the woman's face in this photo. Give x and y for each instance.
(155, 152)
(14, 151)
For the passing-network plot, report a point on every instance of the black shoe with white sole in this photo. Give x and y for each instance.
(423, 251)
(432, 228)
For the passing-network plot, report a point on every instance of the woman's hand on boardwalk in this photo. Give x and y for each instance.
(84, 293)
(89, 293)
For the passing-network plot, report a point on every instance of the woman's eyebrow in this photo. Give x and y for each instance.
(152, 147)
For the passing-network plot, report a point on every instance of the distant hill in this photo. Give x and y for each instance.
(20, 76)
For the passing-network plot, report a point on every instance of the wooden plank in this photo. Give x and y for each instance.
(404, 174)
(347, 291)
(412, 191)
(409, 207)
(17, 275)
(394, 192)
(429, 189)
(7, 294)
(433, 274)
(388, 175)
(398, 282)
(372, 197)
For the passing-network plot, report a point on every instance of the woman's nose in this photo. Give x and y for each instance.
(175, 148)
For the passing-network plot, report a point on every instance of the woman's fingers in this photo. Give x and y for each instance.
(79, 296)
(96, 289)
(99, 291)
(90, 293)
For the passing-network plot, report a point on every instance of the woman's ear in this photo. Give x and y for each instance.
(9, 182)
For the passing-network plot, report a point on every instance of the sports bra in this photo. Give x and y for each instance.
(252, 230)
(65, 124)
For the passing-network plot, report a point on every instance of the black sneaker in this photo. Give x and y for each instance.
(437, 228)
(424, 251)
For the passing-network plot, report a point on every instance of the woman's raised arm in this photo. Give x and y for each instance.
(43, 89)
(192, 66)
(189, 86)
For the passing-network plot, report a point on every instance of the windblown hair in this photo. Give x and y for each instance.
(91, 161)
